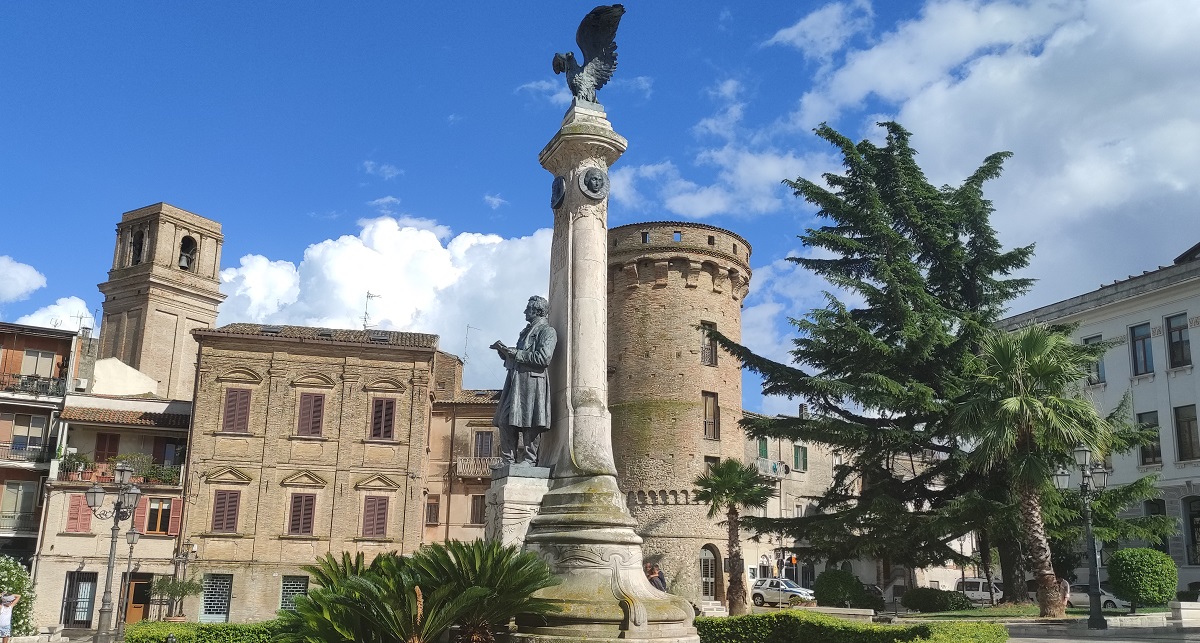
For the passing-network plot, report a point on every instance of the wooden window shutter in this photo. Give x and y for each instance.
(375, 516)
(312, 413)
(139, 514)
(383, 418)
(160, 450)
(300, 520)
(176, 517)
(79, 515)
(243, 410)
(108, 445)
(225, 511)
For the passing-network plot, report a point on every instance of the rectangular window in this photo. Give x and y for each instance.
(710, 462)
(79, 515)
(158, 516)
(375, 513)
(28, 432)
(708, 345)
(290, 588)
(169, 451)
(712, 416)
(762, 447)
(478, 510)
(483, 443)
(1185, 432)
(1140, 350)
(800, 457)
(225, 511)
(433, 509)
(215, 598)
(39, 363)
(1096, 372)
(383, 418)
(312, 414)
(1179, 348)
(300, 517)
(108, 445)
(1158, 507)
(1151, 453)
(237, 411)
(645, 237)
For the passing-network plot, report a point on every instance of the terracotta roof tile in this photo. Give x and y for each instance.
(129, 418)
(313, 333)
(475, 396)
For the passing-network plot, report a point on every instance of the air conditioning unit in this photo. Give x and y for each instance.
(81, 383)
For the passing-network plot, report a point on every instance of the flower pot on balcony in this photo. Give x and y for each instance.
(84, 475)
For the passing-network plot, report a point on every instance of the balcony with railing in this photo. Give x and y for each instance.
(23, 452)
(475, 467)
(167, 475)
(33, 385)
(18, 521)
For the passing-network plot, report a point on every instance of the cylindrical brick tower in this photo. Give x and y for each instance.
(675, 399)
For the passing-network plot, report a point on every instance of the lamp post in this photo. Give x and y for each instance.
(1093, 479)
(131, 537)
(126, 501)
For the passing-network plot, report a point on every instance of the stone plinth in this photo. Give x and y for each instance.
(583, 529)
(513, 500)
(1185, 613)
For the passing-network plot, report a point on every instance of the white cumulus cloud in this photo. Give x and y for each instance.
(18, 280)
(67, 313)
(425, 282)
(386, 171)
(825, 31)
(554, 92)
(494, 201)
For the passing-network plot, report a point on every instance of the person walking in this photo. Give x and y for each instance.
(6, 607)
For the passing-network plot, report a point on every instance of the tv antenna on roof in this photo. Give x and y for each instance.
(466, 337)
(366, 310)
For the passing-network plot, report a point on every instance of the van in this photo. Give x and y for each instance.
(976, 589)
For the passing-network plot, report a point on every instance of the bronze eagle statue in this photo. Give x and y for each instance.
(596, 38)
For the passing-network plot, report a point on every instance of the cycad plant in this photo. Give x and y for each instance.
(509, 577)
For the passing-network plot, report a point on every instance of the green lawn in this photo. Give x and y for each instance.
(1021, 611)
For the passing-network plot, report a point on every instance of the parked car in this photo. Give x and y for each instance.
(1079, 598)
(976, 589)
(777, 591)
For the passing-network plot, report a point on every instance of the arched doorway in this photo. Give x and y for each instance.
(712, 576)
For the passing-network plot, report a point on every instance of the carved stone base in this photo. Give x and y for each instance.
(586, 536)
(513, 500)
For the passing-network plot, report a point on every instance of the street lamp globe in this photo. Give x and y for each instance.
(122, 474)
(132, 536)
(130, 496)
(1083, 456)
(1099, 477)
(95, 496)
(1062, 478)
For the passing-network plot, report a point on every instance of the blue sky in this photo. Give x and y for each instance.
(355, 146)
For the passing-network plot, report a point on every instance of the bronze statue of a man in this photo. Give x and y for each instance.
(524, 410)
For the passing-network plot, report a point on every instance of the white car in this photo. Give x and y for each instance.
(777, 591)
(1079, 598)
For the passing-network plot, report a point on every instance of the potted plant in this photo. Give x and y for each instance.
(172, 591)
(73, 465)
(138, 462)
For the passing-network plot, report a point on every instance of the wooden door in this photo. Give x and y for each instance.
(137, 605)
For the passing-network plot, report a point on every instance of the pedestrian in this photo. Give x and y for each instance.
(1064, 588)
(662, 578)
(6, 607)
(654, 578)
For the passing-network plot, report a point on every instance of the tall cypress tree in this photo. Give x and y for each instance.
(883, 369)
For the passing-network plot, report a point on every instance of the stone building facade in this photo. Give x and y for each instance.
(1151, 316)
(304, 441)
(164, 283)
(675, 399)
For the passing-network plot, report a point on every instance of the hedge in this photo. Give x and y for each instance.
(157, 631)
(837, 588)
(800, 625)
(928, 599)
(1142, 576)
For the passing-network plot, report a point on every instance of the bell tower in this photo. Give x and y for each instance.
(164, 282)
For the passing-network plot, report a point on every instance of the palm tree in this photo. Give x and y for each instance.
(509, 577)
(730, 486)
(1024, 409)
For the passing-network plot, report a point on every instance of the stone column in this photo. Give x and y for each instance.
(513, 500)
(583, 529)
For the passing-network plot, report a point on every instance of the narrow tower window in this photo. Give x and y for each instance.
(187, 254)
(139, 241)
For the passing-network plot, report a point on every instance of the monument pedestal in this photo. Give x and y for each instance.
(513, 500)
(583, 529)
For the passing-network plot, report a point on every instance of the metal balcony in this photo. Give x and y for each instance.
(33, 385)
(18, 521)
(475, 467)
(23, 452)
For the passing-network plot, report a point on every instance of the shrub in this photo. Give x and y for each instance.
(1142, 576)
(157, 632)
(14, 579)
(928, 599)
(837, 588)
(791, 626)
